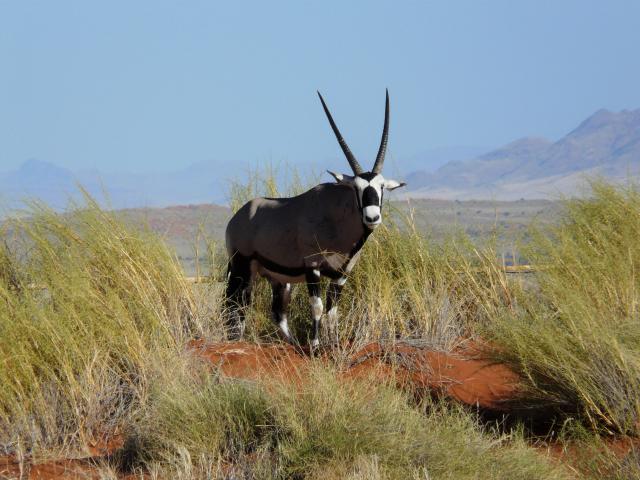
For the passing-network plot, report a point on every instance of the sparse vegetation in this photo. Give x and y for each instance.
(327, 428)
(95, 317)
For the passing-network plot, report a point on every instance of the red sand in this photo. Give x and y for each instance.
(251, 361)
(465, 376)
(63, 469)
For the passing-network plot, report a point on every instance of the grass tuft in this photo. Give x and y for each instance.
(327, 428)
(576, 337)
(86, 306)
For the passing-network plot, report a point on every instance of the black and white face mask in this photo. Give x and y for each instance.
(370, 189)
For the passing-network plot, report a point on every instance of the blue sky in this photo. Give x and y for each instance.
(158, 85)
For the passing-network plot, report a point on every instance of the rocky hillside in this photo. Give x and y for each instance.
(607, 143)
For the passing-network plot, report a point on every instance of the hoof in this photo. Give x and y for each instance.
(286, 337)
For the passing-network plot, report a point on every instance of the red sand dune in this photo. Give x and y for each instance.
(63, 469)
(67, 469)
(464, 376)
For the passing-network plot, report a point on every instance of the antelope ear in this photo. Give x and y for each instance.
(390, 184)
(340, 178)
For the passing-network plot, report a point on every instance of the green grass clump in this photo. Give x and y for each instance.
(325, 428)
(576, 338)
(87, 309)
(408, 286)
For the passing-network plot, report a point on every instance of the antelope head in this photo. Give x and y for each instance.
(369, 186)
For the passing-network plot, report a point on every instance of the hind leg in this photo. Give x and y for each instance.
(238, 295)
(280, 306)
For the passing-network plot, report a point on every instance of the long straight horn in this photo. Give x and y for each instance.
(355, 166)
(383, 143)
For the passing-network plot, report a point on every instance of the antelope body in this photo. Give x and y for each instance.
(300, 239)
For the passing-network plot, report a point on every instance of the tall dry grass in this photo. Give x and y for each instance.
(95, 315)
(88, 308)
(408, 286)
(576, 337)
(324, 428)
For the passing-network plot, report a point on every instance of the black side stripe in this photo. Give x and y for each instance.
(298, 271)
(277, 268)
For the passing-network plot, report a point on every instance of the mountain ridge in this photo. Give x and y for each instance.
(606, 143)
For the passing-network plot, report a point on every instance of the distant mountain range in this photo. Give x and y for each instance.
(198, 183)
(204, 182)
(606, 144)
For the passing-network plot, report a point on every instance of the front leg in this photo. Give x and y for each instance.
(313, 284)
(333, 295)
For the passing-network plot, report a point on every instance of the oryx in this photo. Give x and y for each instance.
(299, 239)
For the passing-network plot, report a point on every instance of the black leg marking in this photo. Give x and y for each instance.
(238, 294)
(333, 295)
(313, 282)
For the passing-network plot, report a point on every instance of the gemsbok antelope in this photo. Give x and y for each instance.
(300, 239)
